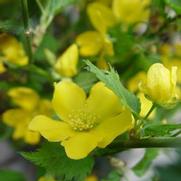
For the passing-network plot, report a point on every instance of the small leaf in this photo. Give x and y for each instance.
(52, 157)
(141, 167)
(156, 130)
(85, 80)
(8, 175)
(112, 81)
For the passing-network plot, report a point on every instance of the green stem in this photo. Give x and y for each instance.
(25, 15)
(165, 142)
(150, 111)
(157, 142)
(152, 142)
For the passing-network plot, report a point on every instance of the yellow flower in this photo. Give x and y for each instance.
(100, 16)
(131, 11)
(12, 51)
(145, 106)
(46, 178)
(160, 84)
(133, 83)
(90, 43)
(91, 178)
(29, 105)
(66, 64)
(87, 122)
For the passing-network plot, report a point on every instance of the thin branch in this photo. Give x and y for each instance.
(27, 30)
(164, 142)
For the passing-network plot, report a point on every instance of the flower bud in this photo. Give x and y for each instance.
(160, 85)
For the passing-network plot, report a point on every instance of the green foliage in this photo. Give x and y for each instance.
(85, 80)
(143, 165)
(50, 8)
(49, 42)
(156, 130)
(8, 175)
(175, 4)
(113, 176)
(10, 26)
(123, 43)
(53, 7)
(112, 81)
(52, 157)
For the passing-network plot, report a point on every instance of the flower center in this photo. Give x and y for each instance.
(82, 120)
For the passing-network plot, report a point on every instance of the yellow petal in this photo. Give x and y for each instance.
(145, 106)
(24, 97)
(100, 16)
(32, 137)
(91, 178)
(67, 63)
(108, 47)
(102, 64)
(160, 83)
(45, 107)
(13, 50)
(81, 145)
(113, 127)
(131, 11)
(90, 43)
(67, 97)
(13, 117)
(19, 131)
(103, 101)
(173, 78)
(51, 130)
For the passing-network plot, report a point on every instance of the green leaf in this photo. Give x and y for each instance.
(113, 176)
(112, 81)
(175, 4)
(85, 80)
(8, 175)
(156, 130)
(11, 26)
(48, 42)
(141, 167)
(123, 42)
(52, 157)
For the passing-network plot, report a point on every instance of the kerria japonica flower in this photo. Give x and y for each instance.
(131, 11)
(28, 105)
(12, 51)
(87, 122)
